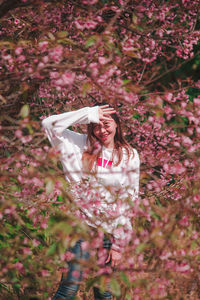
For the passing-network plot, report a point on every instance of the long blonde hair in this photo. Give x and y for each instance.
(93, 152)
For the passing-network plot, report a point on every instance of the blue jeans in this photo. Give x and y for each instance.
(69, 284)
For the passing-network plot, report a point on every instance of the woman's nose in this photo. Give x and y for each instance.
(102, 129)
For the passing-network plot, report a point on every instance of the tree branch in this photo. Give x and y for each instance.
(8, 5)
(174, 68)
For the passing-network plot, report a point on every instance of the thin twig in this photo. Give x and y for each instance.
(142, 74)
(171, 70)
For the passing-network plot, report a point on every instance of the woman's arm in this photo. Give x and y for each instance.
(56, 125)
(71, 144)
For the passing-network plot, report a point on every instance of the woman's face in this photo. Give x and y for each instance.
(105, 133)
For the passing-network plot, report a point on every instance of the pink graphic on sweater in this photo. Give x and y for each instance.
(106, 163)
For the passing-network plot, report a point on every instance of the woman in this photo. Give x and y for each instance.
(104, 160)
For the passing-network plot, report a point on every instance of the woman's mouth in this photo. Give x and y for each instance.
(104, 137)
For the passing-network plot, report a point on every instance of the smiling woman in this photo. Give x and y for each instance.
(108, 133)
(105, 132)
(104, 159)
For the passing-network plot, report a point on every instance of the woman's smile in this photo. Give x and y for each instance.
(104, 137)
(106, 132)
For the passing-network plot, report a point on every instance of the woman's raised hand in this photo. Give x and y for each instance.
(104, 113)
(115, 257)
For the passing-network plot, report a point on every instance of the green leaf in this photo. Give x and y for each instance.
(141, 248)
(66, 41)
(25, 110)
(91, 41)
(63, 226)
(52, 249)
(31, 227)
(134, 19)
(8, 44)
(115, 287)
(90, 283)
(125, 279)
(62, 34)
(16, 286)
(154, 215)
(125, 81)
(59, 198)
(49, 186)
(128, 297)
(51, 36)
(30, 129)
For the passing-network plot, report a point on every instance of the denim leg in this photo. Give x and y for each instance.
(98, 295)
(69, 284)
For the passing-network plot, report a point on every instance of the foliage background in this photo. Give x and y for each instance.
(143, 58)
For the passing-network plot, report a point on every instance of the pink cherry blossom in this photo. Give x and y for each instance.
(45, 273)
(18, 50)
(132, 55)
(43, 45)
(27, 251)
(68, 78)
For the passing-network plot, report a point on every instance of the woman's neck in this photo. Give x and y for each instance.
(109, 146)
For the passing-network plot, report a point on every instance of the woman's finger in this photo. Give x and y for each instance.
(108, 258)
(109, 112)
(108, 109)
(104, 118)
(106, 105)
(114, 262)
(106, 113)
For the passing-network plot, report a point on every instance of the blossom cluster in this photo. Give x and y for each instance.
(142, 58)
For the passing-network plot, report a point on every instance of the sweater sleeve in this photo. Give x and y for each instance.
(56, 125)
(70, 144)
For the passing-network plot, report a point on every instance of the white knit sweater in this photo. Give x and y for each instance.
(100, 206)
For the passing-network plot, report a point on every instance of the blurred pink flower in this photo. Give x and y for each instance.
(18, 50)
(68, 78)
(45, 273)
